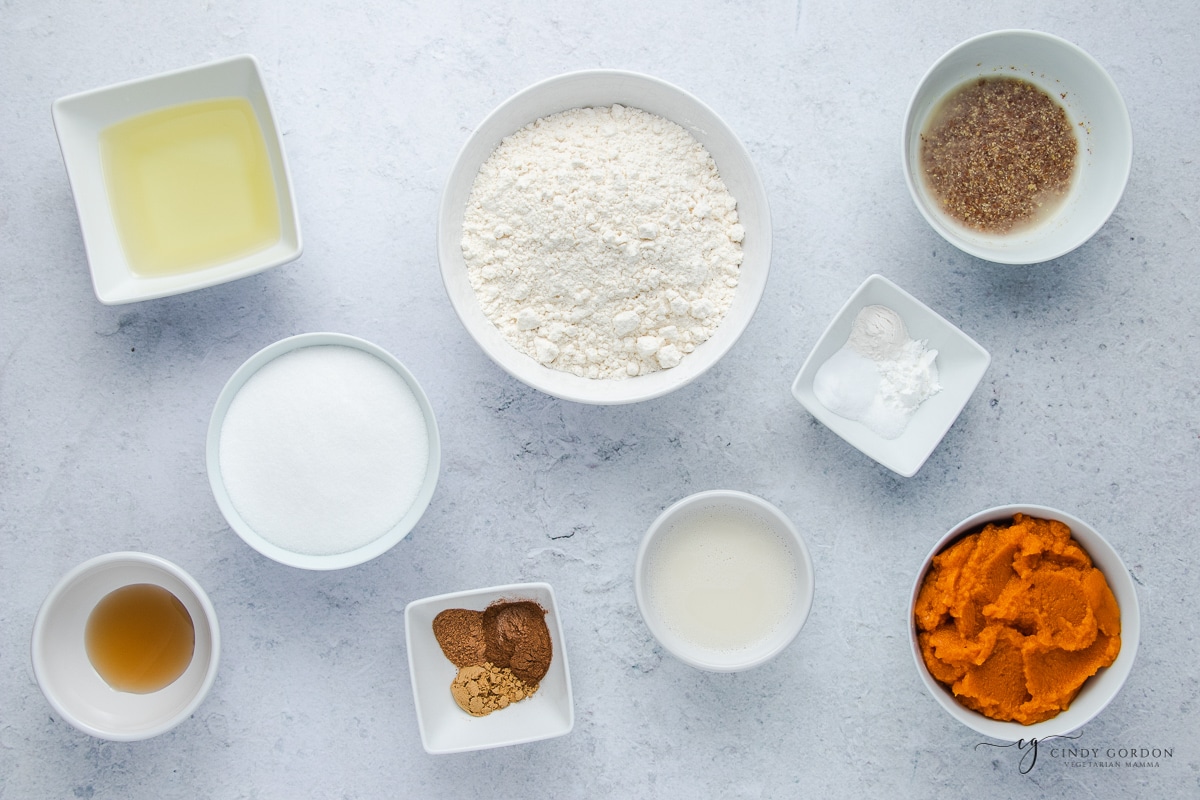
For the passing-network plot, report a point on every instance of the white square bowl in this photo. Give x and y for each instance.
(79, 120)
(961, 363)
(446, 728)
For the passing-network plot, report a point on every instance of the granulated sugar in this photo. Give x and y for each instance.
(324, 449)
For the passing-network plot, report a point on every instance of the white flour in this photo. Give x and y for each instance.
(880, 376)
(602, 242)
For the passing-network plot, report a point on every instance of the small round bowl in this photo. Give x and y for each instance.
(271, 550)
(752, 508)
(1094, 108)
(1100, 689)
(71, 684)
(603, 88)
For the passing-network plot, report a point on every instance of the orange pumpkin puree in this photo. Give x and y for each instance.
(1015, 618)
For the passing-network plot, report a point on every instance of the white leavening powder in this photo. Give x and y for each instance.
(324, 449)
(602, 242)
(880, 376)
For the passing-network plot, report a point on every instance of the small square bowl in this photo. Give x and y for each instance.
(79, 121)
(961, 363)
(446, 728)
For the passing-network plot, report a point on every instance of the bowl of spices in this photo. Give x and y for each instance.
(488, 668)
(890, 375)
(1016, 146)
(126, 646)
(180, 180)
(1023, 622)
(724, 580)
(322, 451)
(604, 237)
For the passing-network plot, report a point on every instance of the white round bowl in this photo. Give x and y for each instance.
(760, 652)
(1100, 689)
(271, 550)
(603, 88)
(73, 686)
(1097, 114)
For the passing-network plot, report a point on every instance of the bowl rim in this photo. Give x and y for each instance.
(947, 232)
(131, 288)
(65, 584)
(1117, 673)
(806, 578)
(579, 389)
(560, 655)
(359, 555)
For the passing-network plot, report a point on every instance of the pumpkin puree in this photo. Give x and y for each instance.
(1015, 618)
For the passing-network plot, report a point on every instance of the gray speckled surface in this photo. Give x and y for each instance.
(1090, 405)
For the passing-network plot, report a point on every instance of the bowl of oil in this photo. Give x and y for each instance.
(126, 646)
(180, 180)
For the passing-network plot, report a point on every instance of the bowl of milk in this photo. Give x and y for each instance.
(724, 580)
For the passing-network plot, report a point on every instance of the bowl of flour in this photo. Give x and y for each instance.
(604, 237)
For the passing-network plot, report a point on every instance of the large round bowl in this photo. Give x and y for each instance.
(72, 685)
(1094, 108)
(603, 88)
(245, 530)
(1100, 689)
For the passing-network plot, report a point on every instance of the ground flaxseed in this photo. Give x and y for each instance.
(998, 154)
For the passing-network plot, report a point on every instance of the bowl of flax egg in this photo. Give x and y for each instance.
(1023, 622)
(604, 237)
(1016, 146)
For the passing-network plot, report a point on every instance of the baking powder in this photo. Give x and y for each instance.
(880, 376)
(603, 242)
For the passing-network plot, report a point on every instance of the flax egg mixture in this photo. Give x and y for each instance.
(999, 155)
(1015, 618)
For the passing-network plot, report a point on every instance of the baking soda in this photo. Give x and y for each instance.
(324, 450)
(881, 376)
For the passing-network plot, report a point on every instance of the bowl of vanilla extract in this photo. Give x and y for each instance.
(126, 646)
(1016, 146)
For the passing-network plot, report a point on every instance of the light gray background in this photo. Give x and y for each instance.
(1090, 405)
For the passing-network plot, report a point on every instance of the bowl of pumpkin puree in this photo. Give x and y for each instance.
(1023, 622)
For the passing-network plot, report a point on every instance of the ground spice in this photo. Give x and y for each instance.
(999, 154)
(502, 653)
(459, 631)
(483, 688)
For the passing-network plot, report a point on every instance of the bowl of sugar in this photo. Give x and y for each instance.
(126, 646)
(604, 237)
(1016, 146)
(724, 580)
(322, 451)
(180, 180)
